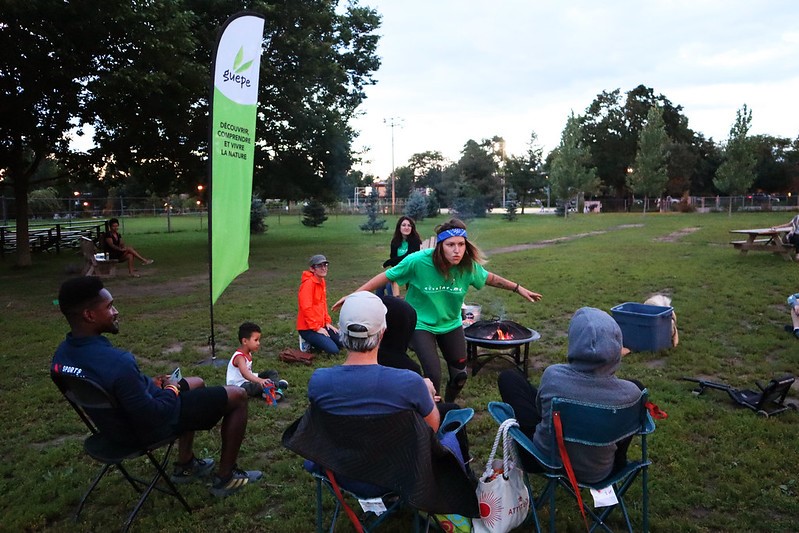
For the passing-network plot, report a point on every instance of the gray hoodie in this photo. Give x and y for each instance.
(593, 356)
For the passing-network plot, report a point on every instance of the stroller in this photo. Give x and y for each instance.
(769, 400)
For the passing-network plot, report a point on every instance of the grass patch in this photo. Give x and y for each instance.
(716, 467)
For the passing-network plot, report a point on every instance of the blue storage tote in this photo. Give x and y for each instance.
(644, 328)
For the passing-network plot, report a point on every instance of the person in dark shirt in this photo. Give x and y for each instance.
(155, 407)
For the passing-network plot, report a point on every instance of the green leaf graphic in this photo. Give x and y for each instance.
(244, 67)
(239, 58)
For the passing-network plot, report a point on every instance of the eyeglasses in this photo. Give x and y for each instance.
(322, 265)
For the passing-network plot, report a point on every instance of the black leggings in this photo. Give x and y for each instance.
(453, 348)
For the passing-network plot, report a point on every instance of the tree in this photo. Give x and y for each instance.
(313, 213)
(137, 74)
(510, 208)
(523, 172)
(373, 222)
(417, 206)
(737, 173)
(471, 184)
(649, 173)
(611, 128)
(570, 171)
(258, 212)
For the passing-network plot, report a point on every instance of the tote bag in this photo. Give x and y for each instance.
(501, 492)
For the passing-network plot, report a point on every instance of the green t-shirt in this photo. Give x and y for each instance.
(437, 300)
(403, 249)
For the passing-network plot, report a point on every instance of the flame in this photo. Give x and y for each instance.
(502, 336)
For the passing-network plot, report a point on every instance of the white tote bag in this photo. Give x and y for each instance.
(503, 497)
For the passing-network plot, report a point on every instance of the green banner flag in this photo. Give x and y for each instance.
(235, 99)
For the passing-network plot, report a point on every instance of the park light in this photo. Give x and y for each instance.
(199, 203)
(76, 193)
(200, 187)
(85, 204)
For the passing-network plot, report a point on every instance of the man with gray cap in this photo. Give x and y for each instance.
(313, 320)
(594, 355)
(371, 389)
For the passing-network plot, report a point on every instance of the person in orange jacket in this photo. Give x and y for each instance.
(313, 321)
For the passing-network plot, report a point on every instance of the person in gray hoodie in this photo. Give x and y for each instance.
(594, 355)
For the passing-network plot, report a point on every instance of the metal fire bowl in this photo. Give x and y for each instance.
(499, 343)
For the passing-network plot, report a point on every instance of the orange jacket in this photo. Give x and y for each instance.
(312, 300)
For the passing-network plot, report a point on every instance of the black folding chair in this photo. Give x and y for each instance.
(89, 399)
(769, 400)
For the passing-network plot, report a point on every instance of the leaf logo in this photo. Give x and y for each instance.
(238, 67)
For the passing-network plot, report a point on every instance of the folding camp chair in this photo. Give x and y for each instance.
(770, 400)
(90, 401)
(592, 425)
(395, 458)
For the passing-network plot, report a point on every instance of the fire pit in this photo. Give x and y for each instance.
(498, 338)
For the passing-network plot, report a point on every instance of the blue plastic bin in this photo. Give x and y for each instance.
(644, 328)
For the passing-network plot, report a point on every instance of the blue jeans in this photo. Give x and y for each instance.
(321, 342)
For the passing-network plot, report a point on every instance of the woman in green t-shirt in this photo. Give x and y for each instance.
(438, 279)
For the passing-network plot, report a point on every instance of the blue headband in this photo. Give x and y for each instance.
(454, 232)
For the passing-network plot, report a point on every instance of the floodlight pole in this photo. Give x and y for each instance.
(392, 121)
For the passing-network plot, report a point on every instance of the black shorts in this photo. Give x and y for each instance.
(201, 408)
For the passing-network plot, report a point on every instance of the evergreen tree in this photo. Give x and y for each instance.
(510, 207)
(417, 206)
(257, 213)
(433, 205)
(649, 175)
(737, 173)
(313, 213)
(373, 223)
(570, 172)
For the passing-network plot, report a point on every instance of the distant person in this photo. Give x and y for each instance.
(589, 375)
(405, 241)
(156, 407)
(118, 250)
(793, 233)
(239, 368)
(313, 320)
(438, 279)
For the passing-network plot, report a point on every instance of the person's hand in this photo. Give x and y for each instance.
(334, 328)
(323, 331)
(528, 294)
(338, 304)
(161, 380)
(431, 389)
(266, 382)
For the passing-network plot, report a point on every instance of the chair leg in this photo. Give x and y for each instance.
(159, 475)
(318, 505)
(91, 488)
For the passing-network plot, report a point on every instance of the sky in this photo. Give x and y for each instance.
(455, 70)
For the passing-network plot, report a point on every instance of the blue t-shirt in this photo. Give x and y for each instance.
(152, 411)
(368, 390)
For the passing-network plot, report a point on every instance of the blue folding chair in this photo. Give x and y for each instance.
(592, 425)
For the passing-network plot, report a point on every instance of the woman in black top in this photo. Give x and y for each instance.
(406, 240)
(118, 250)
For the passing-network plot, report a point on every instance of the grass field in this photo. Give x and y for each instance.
(716, 467)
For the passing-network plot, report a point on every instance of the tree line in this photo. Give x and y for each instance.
(135, 76)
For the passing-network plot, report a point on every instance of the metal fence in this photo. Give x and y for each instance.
(88, 207)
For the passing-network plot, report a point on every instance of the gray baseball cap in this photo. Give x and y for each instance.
(318, 259)
(362, 309)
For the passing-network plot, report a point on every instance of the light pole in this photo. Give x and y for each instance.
(392, 121)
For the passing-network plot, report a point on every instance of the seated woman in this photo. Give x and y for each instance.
(313, 321)
(594, 355)
(118, 250)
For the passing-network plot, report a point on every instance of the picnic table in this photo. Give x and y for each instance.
(764, 240)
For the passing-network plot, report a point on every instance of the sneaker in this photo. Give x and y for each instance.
(252, 475)
(235, 483)
(148, 262)
(192, 471)
(282, 384)
(305, 346)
